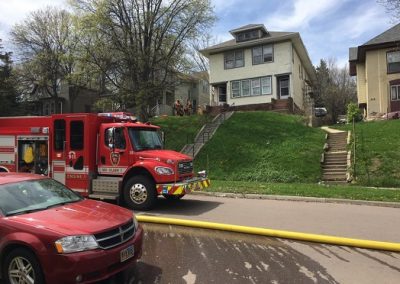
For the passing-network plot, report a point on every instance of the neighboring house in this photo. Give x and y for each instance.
(376, 64)
(258, 66)
(71, 99)
(193, 87)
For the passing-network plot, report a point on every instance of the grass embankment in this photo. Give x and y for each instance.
(263, 147)
(309, 190)
(180, 130)
(377, 153)
(270, 153)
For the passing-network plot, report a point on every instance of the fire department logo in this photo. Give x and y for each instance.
(114, 157)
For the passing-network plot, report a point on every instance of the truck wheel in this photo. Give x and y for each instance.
(21, 266)
(140, 193)
(173, 197)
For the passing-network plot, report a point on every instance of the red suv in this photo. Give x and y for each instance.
(50, 234)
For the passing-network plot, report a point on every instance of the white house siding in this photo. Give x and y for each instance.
(282, 64)
(361, 84)
(299, 75)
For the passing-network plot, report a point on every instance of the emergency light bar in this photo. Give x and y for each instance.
(119, 115)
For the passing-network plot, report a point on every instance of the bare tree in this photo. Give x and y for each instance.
(392, 7)
(139, 45)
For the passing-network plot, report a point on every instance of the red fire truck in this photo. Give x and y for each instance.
(102, 156)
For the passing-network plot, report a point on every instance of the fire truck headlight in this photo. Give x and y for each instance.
(164, 171)
(76, 243)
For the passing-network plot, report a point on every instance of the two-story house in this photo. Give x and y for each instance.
(376, 64)
(258, 66)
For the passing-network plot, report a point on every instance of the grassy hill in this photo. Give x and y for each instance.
(377, 153)
(263, 147)
(180, 130)
(276, 154)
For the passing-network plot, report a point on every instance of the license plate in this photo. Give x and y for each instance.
(127, 253)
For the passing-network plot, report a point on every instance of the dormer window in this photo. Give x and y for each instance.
(248, 35)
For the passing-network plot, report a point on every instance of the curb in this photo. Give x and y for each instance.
(299, 198)
(395, 247)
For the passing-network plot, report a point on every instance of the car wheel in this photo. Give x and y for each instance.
(140, 193)
(173, 197)
(21, 266)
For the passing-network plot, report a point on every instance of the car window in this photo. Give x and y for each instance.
(34, 195)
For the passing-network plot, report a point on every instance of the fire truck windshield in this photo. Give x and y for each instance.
(145, 139)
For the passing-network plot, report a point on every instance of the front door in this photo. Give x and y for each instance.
(222, 94)
(283, 87)
(395, 98)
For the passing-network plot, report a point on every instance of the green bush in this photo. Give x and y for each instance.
(353, 112)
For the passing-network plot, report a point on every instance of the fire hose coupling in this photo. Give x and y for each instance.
(164, 171)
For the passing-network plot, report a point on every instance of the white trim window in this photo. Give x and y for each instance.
(234, 59)
(235, 89)
(395, 92)
(393, 62)
(263, 54)
(252, 87)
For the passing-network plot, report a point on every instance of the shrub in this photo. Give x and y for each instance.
(353, 112)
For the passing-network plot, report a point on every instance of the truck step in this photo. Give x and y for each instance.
(102, 196)
(106, 185)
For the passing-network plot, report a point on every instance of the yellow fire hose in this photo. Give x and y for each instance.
(274, 233)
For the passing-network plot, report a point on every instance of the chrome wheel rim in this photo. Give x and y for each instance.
(21, 271)
(138, 193)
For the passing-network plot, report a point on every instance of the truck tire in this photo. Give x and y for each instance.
(140, 193)
(21, 266)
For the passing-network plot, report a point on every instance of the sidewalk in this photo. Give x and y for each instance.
(334, 219)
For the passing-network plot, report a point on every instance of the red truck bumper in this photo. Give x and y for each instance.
(184, 187)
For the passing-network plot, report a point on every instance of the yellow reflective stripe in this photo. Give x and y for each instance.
(178, 191)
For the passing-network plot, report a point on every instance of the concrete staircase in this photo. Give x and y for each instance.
(334, 159)
(205, 134)
(281, 106)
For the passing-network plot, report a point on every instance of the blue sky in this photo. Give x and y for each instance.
(328, 27)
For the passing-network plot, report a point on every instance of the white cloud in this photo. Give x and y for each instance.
(221, 5)
(364, 21)
(14, 11)
(301, 13)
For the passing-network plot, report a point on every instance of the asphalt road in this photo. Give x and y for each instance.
(175, 254)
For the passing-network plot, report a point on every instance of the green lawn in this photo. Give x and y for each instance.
(180, 130)
(264, 147)
(377, 153)
(304, 189)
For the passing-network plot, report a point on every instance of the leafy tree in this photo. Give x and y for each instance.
(335, 89)
(8, 95)
(48, 45)
(139, 45)
(353, 112)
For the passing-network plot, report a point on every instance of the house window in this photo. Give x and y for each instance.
(263, 54)
(395, 92)
(255, 87)
(393, 62)
(252, 87)
(245, 88)
(247, 35)
(266, 85)
(235, 89)
(234, 59)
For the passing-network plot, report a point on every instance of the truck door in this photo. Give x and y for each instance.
(69, 163)
(114, 151)
(76, 174)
